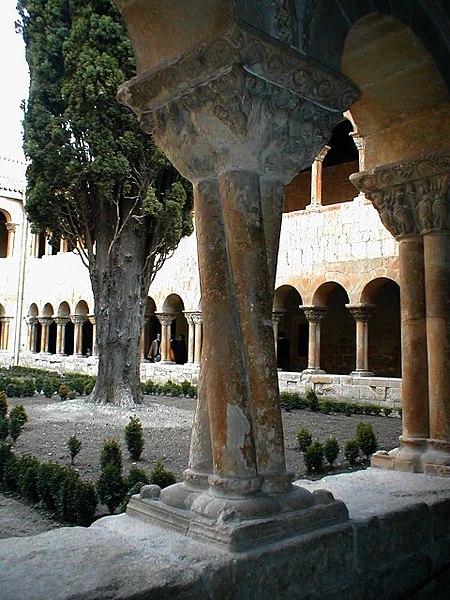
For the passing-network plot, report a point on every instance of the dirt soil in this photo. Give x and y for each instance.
(167, 424)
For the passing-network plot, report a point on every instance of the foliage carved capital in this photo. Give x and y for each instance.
(360, 312)
(412, 197)
(314, 314)
(241, 101)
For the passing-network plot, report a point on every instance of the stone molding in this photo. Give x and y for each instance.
(412, 197)
(314, 314)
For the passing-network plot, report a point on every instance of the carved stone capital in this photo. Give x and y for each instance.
(320, 157)
(45, 321)
(314, 314)
(239, 102)
(360, 312)
(31, 321)
(165, 318)
(277, 315)
(197, 318)
(11, 227)
(62, 321)
(189, 316)
(78, 319)
(412, 197)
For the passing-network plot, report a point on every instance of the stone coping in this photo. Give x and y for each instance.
(397, 539)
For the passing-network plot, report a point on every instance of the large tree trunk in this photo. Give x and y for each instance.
(120, 281)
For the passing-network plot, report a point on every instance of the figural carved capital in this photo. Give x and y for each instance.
(239, 102)
(412, 197)
(360, 312)
(314, 314)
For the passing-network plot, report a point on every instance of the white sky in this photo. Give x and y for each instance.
(14, 81)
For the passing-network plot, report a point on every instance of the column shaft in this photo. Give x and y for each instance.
(198, 338)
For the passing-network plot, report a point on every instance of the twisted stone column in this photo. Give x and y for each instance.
(61, 323)
(413, 201)
(314, 316)
(233, 115)
(361, 314)
(166, 320)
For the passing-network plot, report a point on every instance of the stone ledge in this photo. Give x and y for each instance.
(398, 537)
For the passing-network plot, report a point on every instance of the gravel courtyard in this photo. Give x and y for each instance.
(167, 424)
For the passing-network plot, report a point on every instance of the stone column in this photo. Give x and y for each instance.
(165, 319)
(61, 323)
(4, 337)
(78, 321)
(314, 316)
(316, 179)
(235, 126)
(11, 228)
(191, 335)
(94, 335)
(142, 341)
(45, 322)
(198, 336)
(361, 313)
(31, 323)
(277, 315)
(412, 199)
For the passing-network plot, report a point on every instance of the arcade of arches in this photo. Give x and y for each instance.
(322, 337)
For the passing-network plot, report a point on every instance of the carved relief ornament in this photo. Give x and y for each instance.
(411, 197)
(239, 102)
(314, 314)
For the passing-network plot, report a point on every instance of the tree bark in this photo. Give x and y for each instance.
(120, 278)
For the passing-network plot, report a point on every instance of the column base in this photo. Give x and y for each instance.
(240, 523)
(313, 371)
(436, 459)
(362, 373)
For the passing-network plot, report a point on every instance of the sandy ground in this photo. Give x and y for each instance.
(166, 422)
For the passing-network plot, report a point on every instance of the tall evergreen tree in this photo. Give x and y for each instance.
(94, 178)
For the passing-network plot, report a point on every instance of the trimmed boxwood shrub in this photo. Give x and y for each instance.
(28, 468)
(3, 404)
(19, 413)
(111, 486)
(135, 476)
(111, 453)
(162, 476)
(5, 455)
(351, 452)
(304, 439)
(134, 438)
(366, 439)
(15, 428)
(4, 427)
(74, 446)
(331, 450)
(313, 458)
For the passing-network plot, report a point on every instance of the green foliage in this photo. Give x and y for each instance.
(351, 452)
(291, 401)
(18, 412)
(313, 458)
(27, 477)
(161, 476)
(3, 404)
(366, 439)
(135, 476)
(313, 400)
(74, 446)
(111, 486)
(4, 427)
(134, 438)
(10, 473)
(111, 453)
(15, 428)
(169, 388)
(387, 411)
(304, 439)
(5, 455)
(331, 450)
(47, 484)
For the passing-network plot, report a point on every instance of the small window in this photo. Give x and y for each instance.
(40, 244)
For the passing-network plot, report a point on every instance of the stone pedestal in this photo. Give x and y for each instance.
(239, 116)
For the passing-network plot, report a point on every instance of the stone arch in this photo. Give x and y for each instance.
(338, 330)
(64, 309)
(5, 218)
(33, 311)
(81, 309)
(403, 110)
(293, 327)
(47, 311)
(174, 305)
(384, 326)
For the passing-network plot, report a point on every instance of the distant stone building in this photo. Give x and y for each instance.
(336, 292)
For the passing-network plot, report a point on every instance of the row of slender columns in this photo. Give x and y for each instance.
(4, 332)
(61, 322)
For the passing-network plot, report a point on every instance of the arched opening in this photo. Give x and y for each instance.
(69, 338)
(52, 331)
(174, 305)
(47, 311)
(152, 326)
(82, 309)
(4, 235)
(384, 327)
(292, 354)
(338, 330)
(87, 338)
(403, 110)
(37, 337)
